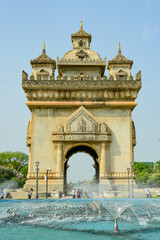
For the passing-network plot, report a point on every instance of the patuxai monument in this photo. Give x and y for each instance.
(80, 110)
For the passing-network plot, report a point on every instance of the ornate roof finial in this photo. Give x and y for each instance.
(81, 27)
(119, 47)
(44, 50)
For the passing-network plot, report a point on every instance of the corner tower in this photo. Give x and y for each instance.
(82, 110)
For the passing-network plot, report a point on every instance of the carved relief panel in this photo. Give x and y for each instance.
(82, 123)
(81, 126)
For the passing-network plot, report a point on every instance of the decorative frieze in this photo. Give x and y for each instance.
(42, 90)
(41, 175)
(74, 94)
(86, 61)
(85, 137)
(115, 175)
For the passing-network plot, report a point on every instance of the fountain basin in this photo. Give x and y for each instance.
(77, 218)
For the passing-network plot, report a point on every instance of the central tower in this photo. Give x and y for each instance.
(82, 110)
(81, 63)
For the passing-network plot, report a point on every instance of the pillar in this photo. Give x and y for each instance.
(104, 164)
(60, 157)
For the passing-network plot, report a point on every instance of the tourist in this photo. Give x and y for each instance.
(73, 193)
(59, 194)
(30, 191)
(78, 194)
(1, 193)
(147, 193)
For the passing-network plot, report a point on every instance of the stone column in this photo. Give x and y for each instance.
(104, 164)
(60, 157)
(30, 167)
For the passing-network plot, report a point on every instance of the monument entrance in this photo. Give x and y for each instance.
(82, 110)
(86, 149)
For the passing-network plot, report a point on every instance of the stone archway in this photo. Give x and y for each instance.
(81, 148)
(81, 132)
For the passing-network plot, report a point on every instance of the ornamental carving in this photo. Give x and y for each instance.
(103, 127)
(86, 61)
(80, 76)
(82, 122)
(81, 54)
(32, 78)
(65, 84)
(138, 76)
(60, 128)
(93, 95)
(81, 125)
(24, 75)
(42, 90)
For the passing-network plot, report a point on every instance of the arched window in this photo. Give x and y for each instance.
(81, 43)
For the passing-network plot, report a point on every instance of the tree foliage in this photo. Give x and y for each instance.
(147, 175)
(13, 169)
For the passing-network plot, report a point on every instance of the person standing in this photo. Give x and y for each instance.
(1, 193)
(78, 194)
(147, 193)
(30, 191)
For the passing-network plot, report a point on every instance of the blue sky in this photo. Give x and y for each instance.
(24, 25)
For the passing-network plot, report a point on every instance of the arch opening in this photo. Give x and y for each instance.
(88, 151)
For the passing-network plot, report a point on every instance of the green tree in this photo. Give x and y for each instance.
(12, 158)
(143, 173)
(157, 167)
(154, 180)
(13, 168)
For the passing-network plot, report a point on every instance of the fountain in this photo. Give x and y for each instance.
(103, 217)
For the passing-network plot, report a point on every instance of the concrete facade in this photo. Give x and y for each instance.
(81, 110)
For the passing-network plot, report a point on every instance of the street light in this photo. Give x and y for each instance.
(132, 166)
(49, 169)
(37, 169)
(128, 169)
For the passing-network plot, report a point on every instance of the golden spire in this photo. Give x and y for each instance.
(44, 49)
(119, 47)
(81, 27)
(43, 44)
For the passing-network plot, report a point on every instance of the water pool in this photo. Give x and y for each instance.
(79, 219)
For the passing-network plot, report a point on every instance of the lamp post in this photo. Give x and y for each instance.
(132, 166)
(128, 169)
(49, 169)
(37, 169)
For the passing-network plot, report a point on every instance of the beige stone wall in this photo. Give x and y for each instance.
(119, 122)
(44, 122)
